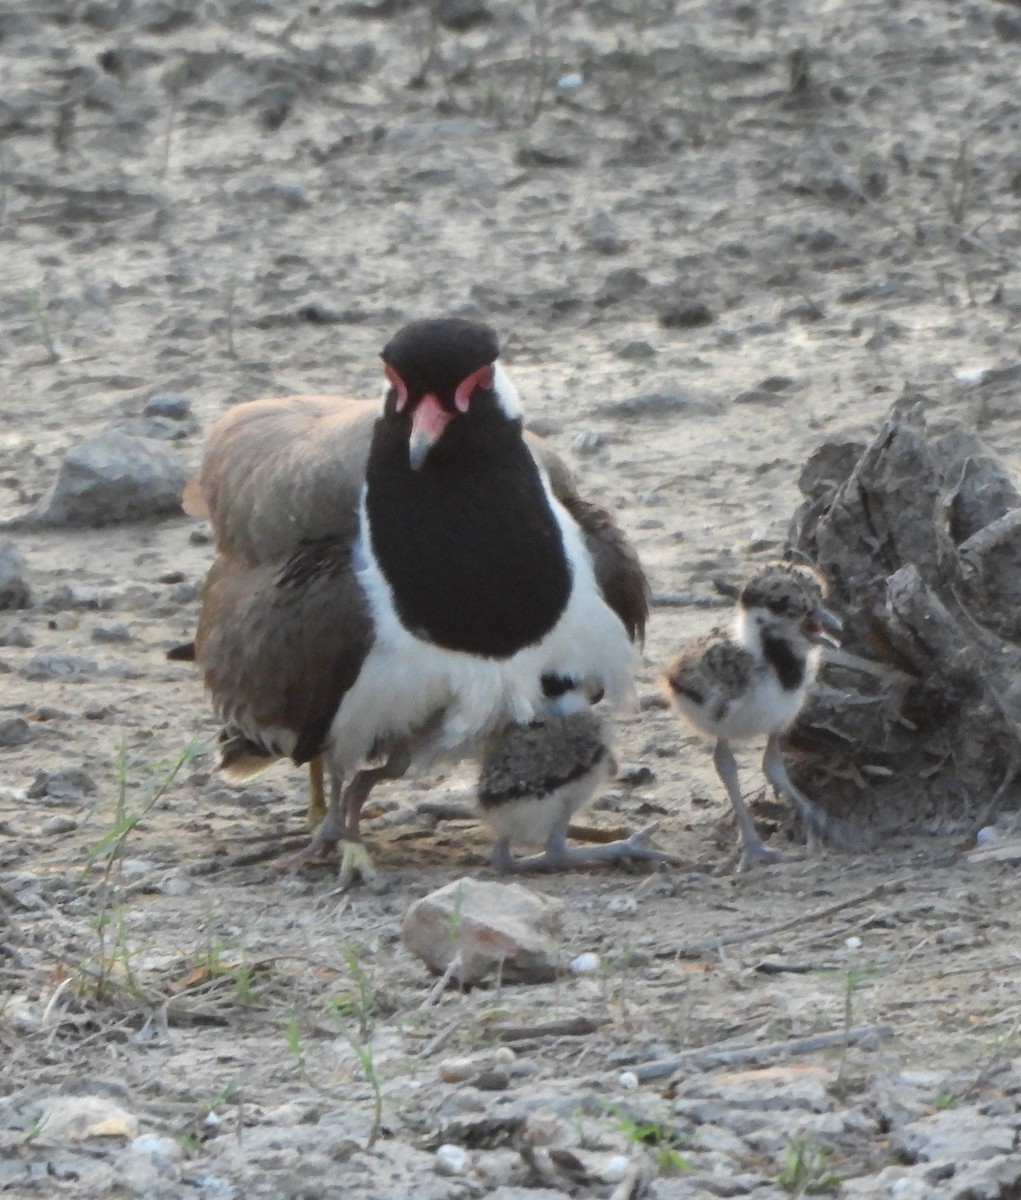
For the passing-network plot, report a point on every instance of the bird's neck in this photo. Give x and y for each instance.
(468, 543)
(787, 655)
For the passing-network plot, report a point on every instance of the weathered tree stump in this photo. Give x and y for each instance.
(916, 723)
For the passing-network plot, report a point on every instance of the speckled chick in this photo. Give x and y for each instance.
(535, 777)
(753, 681)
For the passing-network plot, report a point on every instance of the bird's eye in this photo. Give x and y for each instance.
(398, 385)
(483, 377)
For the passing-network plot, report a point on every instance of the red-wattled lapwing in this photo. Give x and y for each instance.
(393, 586)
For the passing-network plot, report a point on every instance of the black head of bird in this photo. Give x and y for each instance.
(440, 370)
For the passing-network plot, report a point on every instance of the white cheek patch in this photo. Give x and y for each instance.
(506, 394)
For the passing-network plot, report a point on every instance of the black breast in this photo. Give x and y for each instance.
(468, 543)
(785, 661)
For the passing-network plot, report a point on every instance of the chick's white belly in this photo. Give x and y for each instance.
(528, 820)
(764, 708)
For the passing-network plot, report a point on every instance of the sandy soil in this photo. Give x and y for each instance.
(233, 199)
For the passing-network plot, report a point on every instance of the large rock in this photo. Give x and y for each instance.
(115, 477)
(488, 927)
(14, 589)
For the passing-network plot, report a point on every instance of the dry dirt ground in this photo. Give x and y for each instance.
(773, 217)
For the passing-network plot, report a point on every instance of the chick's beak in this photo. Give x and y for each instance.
(428, 422)
(823, 627)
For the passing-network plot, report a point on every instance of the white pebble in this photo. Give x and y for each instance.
(452, 1160)
(853, 943)
(585, 964)
(615, 1169)
(987, 835)
(568, 83)
(970, 374)
(628, 1080)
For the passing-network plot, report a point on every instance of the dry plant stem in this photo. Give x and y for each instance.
(570, 1027)
(697, 949)
(440, 985)
(705, 1058)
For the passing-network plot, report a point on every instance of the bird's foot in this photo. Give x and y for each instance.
(356, 864)
(316, 813)
(558, 856)
(755, 854)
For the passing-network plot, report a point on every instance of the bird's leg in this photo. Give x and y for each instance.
(354, 858)
(818, 825)
(500, 858)
(328, 832)
(559, 856)
(752, 848)
(316, 794)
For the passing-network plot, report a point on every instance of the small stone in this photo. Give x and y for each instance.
(1007, 27)
(63, 621)
(571, 81)
(58, 666)
(686, 314)
(585, 964)
(619, 285)
(163, 1149)
(628, 1080)
(987, 835)
(174, 408)
(587, 442)
(18, 636)
(664, 403)
(635, 774)
(201, 535)
(487, 927)
(615, 1168)
(77, 1118)
(69, 783)
(461, 15)
(54, 826)
(14, 588)
(638, 351)
(113, 478)
(452, 1160)
(111, 631)
(14, 731)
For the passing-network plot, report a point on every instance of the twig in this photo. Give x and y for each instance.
(687, 600)
(696, 949)
(569, 1027)
(705, 1058)
(441, 1038)
(438, 987)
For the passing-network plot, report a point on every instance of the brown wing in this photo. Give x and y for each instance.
(276, 473)
(280, 644)
(618, 570)
(283, 628)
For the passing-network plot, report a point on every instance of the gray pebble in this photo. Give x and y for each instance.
(58, 666)
(14, 588)
(587, 442)
(685, 314)
(174, 408)
(56, 825)
(111, 631)
(68, 783)
(15, 731)
(18, 636)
